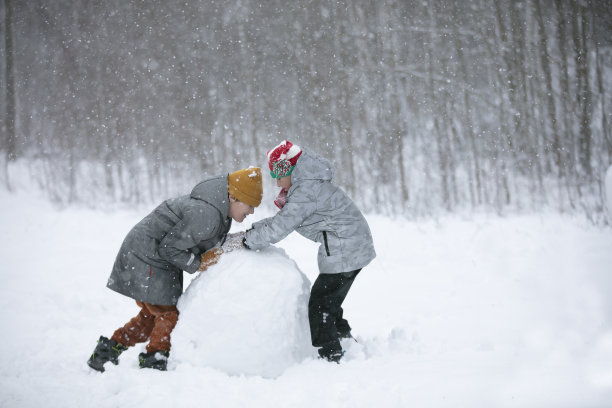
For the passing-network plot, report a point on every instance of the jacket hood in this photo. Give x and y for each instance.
(311, 166)
(213, 191)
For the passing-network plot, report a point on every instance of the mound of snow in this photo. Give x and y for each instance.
(246, 315)
(609, 192)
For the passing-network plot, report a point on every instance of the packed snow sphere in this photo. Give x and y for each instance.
(246, 315)
(609, 192)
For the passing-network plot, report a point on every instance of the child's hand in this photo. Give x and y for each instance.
(233, 242)
(210, 258)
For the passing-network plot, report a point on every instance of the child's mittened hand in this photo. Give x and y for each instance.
(209, 258)
(234, 242)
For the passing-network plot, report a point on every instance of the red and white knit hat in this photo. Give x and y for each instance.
(282, 159)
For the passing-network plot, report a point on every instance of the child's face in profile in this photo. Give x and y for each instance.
(284, 182)
(239, 210)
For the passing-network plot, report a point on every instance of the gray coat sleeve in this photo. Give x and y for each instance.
(197, 224)
(300, 205)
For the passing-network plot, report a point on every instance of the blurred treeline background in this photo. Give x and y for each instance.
(425, 107)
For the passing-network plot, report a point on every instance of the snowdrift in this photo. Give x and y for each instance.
(246, 315)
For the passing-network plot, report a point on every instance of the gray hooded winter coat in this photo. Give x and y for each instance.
(170, 240)
(321, 212)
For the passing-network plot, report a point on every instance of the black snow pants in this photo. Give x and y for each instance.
(327, 324)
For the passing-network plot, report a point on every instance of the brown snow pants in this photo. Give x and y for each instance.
(153, 323)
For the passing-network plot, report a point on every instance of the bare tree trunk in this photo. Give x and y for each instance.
(473, 157)
(607, 137)
(507, 87)
(583, 94)
(398, 100)
(441, 145)
(343, 112)
(537, 144)
(549, 96)
(548, 90)
(10, 141)
(566, 134)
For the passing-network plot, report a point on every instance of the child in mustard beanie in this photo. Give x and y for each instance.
(181, 234)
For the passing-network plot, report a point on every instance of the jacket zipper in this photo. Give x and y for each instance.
(326, 246)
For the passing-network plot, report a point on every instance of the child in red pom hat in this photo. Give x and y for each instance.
(317, 209)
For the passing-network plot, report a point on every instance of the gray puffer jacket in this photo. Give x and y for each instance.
(170, 240)
(321, 212)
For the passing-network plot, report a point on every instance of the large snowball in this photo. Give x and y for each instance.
(248, 314)
(609, 192)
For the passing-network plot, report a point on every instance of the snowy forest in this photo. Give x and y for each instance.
(424, 107)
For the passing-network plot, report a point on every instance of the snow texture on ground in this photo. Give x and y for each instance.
(479, 312)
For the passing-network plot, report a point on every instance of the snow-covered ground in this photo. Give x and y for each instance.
(480, 312)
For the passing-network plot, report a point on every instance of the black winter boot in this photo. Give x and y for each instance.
(106, 350)
(156, 359)
(331, 352)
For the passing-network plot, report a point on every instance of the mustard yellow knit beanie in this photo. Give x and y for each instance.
(246, 186)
